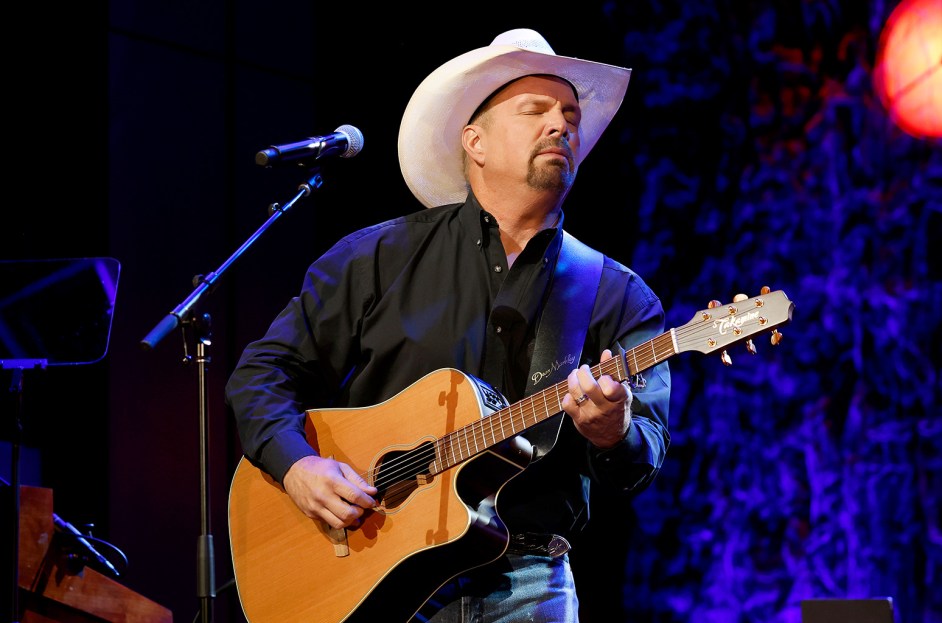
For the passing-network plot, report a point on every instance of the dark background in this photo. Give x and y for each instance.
(751, 150)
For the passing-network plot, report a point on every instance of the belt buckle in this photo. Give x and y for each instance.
(557, 546)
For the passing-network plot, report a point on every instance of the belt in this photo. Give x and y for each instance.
(540, 544)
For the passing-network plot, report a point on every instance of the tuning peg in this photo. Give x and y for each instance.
(776, 337)
(739, 297)
(750, 347)
(765, 290)
(713, 303)
(726, 359)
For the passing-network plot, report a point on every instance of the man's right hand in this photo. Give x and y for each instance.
(329, 490)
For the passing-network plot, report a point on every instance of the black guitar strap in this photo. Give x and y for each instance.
(562, 329)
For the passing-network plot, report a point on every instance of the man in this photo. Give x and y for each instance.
(480, 282)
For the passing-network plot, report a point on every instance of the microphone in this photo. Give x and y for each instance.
(346, 141)
(90, 550)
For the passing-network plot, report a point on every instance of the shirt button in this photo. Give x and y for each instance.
(487, 219)
(499, 329)
(478, 242)
(497, 268)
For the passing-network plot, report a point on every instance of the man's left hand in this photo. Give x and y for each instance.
(598, 407)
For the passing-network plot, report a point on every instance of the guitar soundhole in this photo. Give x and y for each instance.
(398, 474)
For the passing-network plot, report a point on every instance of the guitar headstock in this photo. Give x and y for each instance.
(719, 326)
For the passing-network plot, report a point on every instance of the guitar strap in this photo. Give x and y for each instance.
(562, 329)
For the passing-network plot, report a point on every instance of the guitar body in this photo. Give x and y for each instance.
(427, 528)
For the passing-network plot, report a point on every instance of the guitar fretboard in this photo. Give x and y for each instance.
(470, 440)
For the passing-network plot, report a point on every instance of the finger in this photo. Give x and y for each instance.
(606, 354)
(329, 518)
(587, 382)
(613, 390)
(588, 388)
(628, 395)
(350, 494)
(357, 479)
(575, 395)
(340, 511)
(322, 507)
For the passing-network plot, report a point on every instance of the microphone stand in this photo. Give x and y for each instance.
(182, 314)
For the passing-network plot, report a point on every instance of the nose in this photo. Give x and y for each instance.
(556, 123)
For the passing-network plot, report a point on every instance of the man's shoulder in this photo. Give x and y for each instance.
(404, 224)
(634, 284)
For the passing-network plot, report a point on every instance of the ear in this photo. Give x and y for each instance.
(473, 143)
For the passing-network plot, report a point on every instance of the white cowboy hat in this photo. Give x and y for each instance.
(430, 132)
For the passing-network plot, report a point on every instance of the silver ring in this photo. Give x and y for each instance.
(581, 399)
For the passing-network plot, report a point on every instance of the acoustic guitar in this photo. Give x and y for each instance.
(439, 452)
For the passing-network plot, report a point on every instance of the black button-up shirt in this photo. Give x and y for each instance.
(393, 302)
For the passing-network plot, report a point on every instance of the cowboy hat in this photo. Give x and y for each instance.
(430, 132)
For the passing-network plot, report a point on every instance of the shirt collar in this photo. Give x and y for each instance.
(476, 219)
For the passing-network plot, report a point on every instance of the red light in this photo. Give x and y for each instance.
(908, 72)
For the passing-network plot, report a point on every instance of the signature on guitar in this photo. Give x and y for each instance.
(568, 360)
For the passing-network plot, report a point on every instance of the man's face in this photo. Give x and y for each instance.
(531, 133)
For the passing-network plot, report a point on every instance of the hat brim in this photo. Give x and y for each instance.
(430, 152)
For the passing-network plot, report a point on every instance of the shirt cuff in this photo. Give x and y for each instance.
(282, 451)
(618, 466)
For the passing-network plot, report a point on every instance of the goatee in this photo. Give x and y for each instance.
(553, 175)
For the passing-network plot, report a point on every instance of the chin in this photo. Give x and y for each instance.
(556, 178)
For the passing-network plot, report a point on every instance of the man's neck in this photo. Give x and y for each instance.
(521, 216)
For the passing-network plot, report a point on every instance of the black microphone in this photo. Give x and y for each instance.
(89, 549)
(346, 141)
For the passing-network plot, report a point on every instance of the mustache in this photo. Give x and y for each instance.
(554, 143)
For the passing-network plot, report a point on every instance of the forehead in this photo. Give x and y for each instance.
(551, 86)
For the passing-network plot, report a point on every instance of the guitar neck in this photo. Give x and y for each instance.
(710, 330)
(468, 441)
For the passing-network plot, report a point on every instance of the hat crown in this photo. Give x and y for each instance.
(524, 38)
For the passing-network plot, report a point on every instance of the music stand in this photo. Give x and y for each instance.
(54, 312)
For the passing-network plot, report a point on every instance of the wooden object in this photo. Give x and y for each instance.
(50, 589)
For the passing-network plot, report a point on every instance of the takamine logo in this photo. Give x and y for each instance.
(731, 323)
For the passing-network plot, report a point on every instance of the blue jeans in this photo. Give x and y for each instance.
(512, 589)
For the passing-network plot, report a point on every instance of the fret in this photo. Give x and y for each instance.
(623, 371)
(545, 404)
(451, 449)
(515, 420)
(467, 448)
(529, 412)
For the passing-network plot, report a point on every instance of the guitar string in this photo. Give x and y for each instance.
(427, 454)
